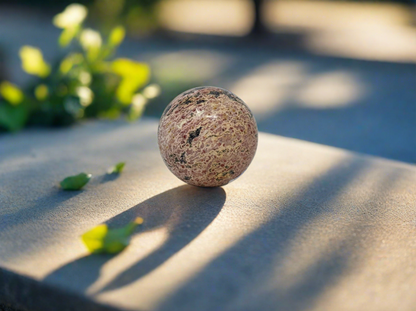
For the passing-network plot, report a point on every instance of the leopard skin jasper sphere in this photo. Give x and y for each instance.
(207, 136)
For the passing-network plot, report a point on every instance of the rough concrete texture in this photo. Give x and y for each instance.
(306, 227)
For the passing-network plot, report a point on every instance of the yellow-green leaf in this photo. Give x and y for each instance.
(41, 92)
(116, 169)
(32, 61)
(67, 35)
(116, 36)
(126, 67)
(69, 61)
(75, 182)
(11, 93)
(73, 15)
(102, 239)
(134, 75)
(125, 91)
(66, 65)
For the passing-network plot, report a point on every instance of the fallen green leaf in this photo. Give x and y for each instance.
(101, 239)
(75, 182)
(117, 169)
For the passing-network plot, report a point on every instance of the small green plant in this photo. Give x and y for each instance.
(86, 83)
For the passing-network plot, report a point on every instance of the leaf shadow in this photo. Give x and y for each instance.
(184, 212)
(109, 177)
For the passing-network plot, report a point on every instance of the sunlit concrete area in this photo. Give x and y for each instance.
(306, 227)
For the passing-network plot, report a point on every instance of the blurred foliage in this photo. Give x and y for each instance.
(87, 82)
(139, 16)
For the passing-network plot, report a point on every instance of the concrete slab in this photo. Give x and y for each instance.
(306, 227)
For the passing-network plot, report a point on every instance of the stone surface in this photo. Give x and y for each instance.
(207, 136)
(306, 227)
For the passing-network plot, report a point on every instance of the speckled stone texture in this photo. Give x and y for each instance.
(207, 136)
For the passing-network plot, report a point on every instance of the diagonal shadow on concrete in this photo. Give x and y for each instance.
(248, 265)
(37, 210)
(184, 212)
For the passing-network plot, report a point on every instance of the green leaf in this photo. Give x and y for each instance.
(134, 75)
(67, 35)
(69, 61)
(33, 63)
(13, 118)
(117, 169)
(11, 93)
(101, 239)
(41, 92)
(116, 36)
(129, 68)
(75, 182)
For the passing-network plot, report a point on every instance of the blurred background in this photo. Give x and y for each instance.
(339, 73)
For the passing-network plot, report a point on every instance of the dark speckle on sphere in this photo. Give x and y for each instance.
(207, 136)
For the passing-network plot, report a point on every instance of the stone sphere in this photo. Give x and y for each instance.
(207, 136)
